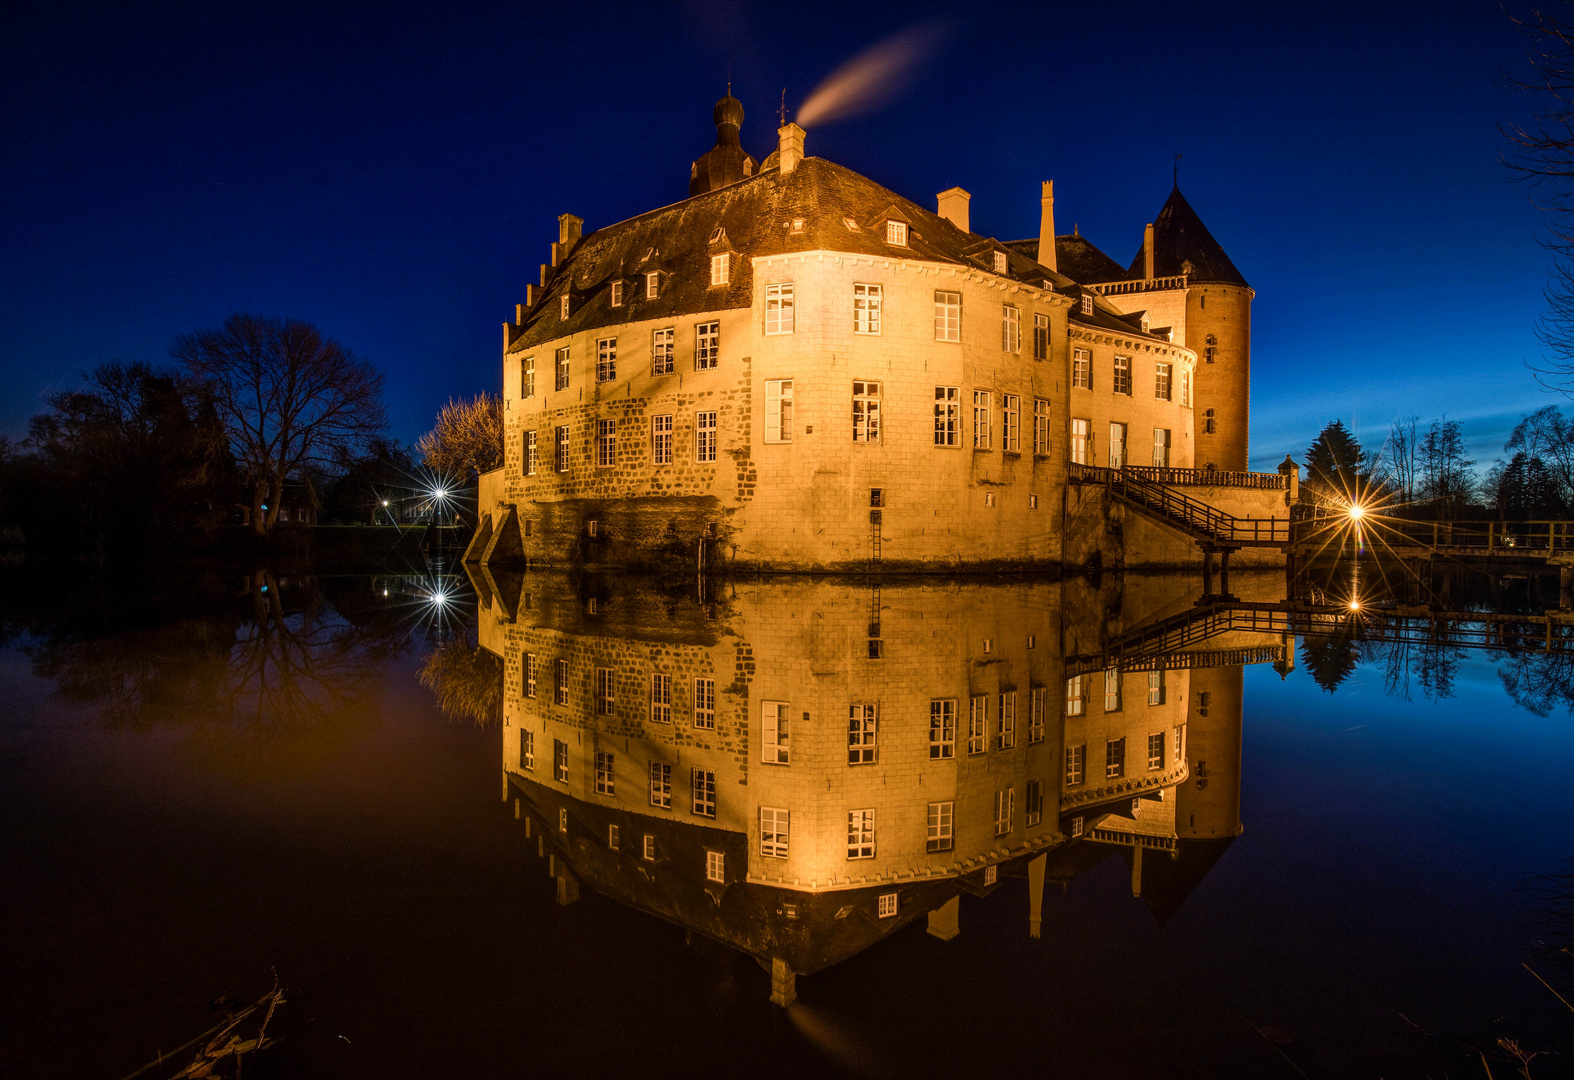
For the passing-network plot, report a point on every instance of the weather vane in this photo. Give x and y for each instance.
(782, 112)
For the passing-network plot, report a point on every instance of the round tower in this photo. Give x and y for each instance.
(1208, 804)
(1219, 329)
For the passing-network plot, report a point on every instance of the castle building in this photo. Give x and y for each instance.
(797, 368)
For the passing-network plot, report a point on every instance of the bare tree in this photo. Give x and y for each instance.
(289, 398)
(1447, 476)
(468, 436)
(1400, 456)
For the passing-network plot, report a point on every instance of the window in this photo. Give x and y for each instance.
(1082, 369)
(948, 315)
(773, 832)
(720, 269)
(860, 834)
(612, 837)
(1112, 690)
(1005, 810)
(1035, 802)
(707, 346)
(947, 415)
(705, 436)
(1161, 381)
(561, 380)
(1075, 757)
(1115, 759)
(1010, 423)
(560, 686)
(562, 819)
(1117, 446)
(715, 866)
(606, 443)
(1204, 698)
(1122, 384)
(562, 449)
(852, 226)
(530, 453)
(661, 440)
(527, 749)
(1185, 388)
(1037, 709)
(778, 309)
(991, 874)
(1180, 743)
(999, 262)
(1076, 826)
(896, 232)
(705, 703)
(605, 693)
(1010, 328)
(773, 733)
(652, 285)
(530, 674)
(702, 785)
(1156, 750)
(1161, 447)
(1006, 721)
(1155, 688)
(866, 308)
(1086, 304)
(560, 761)
(1211, 349)
(661, 785)
(1075, 703)
(866, 412)
(562, 308)
(648, 848)
(606, 359)
(1040, 426)
(942, 728)
(1209, 423)
(861, 724)
(886, 906)
(978, 725)
(941, 816)
(1041, 337)
(661, 351)
(778, 410)
(603, 773)
(1081, 443)
(981, 403)
(660, 698)
(617, 294)
(527, 377)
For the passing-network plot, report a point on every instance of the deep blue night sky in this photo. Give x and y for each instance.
(394, 175)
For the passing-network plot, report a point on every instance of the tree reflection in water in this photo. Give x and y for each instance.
(466, 680)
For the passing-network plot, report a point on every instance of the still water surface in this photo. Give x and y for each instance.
(212, 775)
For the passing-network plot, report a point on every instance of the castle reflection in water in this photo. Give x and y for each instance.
(799, 768)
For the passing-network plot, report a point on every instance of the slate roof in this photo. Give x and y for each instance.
(1180, 236)
(1077, 258)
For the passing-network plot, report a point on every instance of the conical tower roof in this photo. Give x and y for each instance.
(1179, 237)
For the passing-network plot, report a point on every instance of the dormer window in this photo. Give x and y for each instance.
(1087, 303)
(896, 233)
(1000, 262)
(852, 226)
(562, 307)
(797, 224)
(718, 234)
(648, 253)
(652, 286)
(1144, 323)
(720, 269)
(617, 294)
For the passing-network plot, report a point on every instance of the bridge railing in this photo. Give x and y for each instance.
(1506, 537)
(1210, 478)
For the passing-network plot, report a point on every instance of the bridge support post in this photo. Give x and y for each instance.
(1207, 573)
(1224, 574)
(1566, 587)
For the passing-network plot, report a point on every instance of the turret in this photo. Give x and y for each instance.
(725, 163)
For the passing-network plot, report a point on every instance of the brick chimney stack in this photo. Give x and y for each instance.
(1147, 252)
(790, 147)
(953, 205)
(1046, 225)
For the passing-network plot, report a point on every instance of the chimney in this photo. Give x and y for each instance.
(544, 275)
(531, 295)
(789, 148)
(1046, 225)
(568, 227)
(953, 203)
(519, 310)
(1147, 252)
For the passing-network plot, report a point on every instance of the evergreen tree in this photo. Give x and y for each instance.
(1336, 462)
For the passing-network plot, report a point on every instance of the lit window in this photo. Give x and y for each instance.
(1161, 382)
(652, 285)
(887, 905)
(561, 380)
(560, 761)
(1117, 445)
(1180, 743)
(1112, 690)
(866, 412)
(1075, 757)
(981, 403)
(606, 694)
(773, 732)
(531, 666)
(702, 787)
(648, 848)
(562, 307)
(612, 837)
(1122, 384)
(560, 683)
(1075, 703)
(778, 410)
(1114, 759)
(705, 703)
(852, 226)
(1081, 442)
(896, 232)
(527, 377)
(1006, 721)
(530, 454)
(1155, 688)
(1010, 328)
(1076, 826)
(604, 773)
(1041, 337)
(1156, 750)
(866, 308)
(527, 749)
(606, 359)
(991, 874)
(617, 294)
(1000, 262)
(978, 725)
(661, 440)
(661, 351)
(1005, 810)
(707, 346)
(1010, 422)
(860, 834)
(1035, 802)
(606, 443)
(1041, 426)
(661, 698)
(861, 730)
(948, 315)
(661, 785)
(1161, 447)
(715, 866)
(940, 824)
(720, 269)
(1038, 708)
(948, 420)
(562, 449)
(1087, 303)
(1185, 388)
(779, 309)
(773, 832)
(705, 436)
(942, 728)
(1081, 369)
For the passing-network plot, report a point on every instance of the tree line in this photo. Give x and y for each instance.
(142, 456)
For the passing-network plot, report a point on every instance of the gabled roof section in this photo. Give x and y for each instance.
(1179, 237)
(1077, 258)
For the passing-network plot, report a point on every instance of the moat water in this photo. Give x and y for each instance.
(208, 775)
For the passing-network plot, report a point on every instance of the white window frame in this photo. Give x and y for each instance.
(1076, 698)
(1006, 721)
(1185, 387)
(1156, 687)
(1112, 689)
(942, 728)
(778, 411)
(887, 905)
(1155, 750)
(1121, 376)
(705, 437)
(529, 464)
(527, 749)
(562, 449)
(1118, 438)
(999, 262)
(983, 402)
(716, 867)
(867, 300)
(866, 411)
(661, 344)
(652, 285)
(896, 232)
(1040, 336)
(560, 683)
(1041, 427)
(606, 692)
(1005, 811)
(606, 359)
(1076, 764)
(561, 369)
(779, 309)
(661, 439)
(1081, 369)
(527, 377)
(863, 729)
(860, 834)
(531, 671)
(606, 443)
(1115, 758)
(617, 294)
(1161, 448)
(941, 832)
(612, 837)
(661, 785)
(1163, 380)
(660, 697)
(1037, 709)
(1010, 328)
(707, 346)
(1081, 441)
(1011, 423)
(1086, 303)
(775, 832)
(648, 848)
(562, 308)
(948, 416)
(721, 269)
(948, 315)
(705, 703)
(978, 724)
(702, 793)
(1035, 803)
(774, 730)
(560, 761)
(606, 780)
